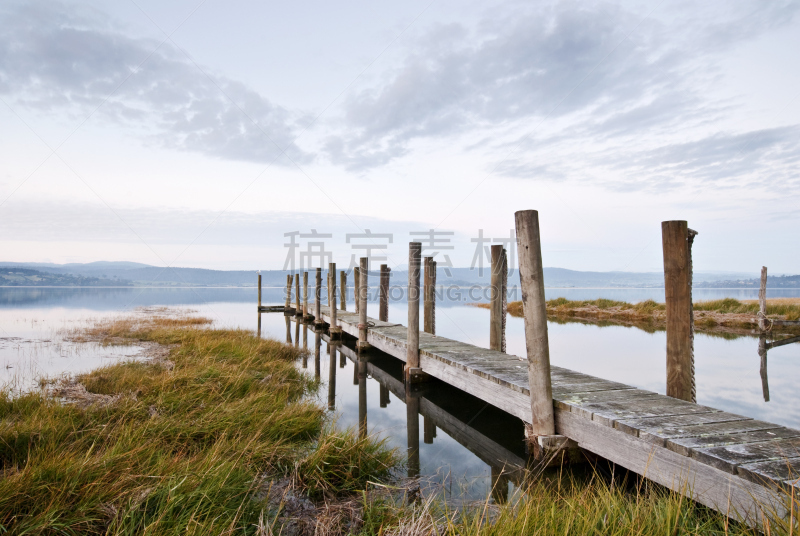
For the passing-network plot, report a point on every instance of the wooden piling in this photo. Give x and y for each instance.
(356, 286)
(362, 303)
(318, 300)
(533, 304)
(678, 294)
(412, 353)
(334, 330)
(383, 310)
(297, 310)
(259, 292)
(496, 309)
(762, 301)
(306, 314)
(288, 306)
(343, 289)
(429, 294)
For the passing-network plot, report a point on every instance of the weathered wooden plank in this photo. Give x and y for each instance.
(687, 445)
(608, 413)
(729, 494)
(729, 457)
(662, 436)
(780, 473)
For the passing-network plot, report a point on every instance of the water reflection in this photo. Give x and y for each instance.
(763, 346)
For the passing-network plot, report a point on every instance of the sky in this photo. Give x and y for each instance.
(212, 134)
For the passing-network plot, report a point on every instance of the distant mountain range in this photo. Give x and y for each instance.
(105, 273)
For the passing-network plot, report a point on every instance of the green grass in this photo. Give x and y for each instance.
(182, 447)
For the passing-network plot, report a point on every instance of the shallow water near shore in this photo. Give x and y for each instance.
(473, 441)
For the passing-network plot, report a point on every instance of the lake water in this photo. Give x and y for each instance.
(472, 439)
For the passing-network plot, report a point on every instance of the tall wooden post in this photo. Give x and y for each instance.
(356, 286)
(343, 289)
(287, 308)
(318, 300)
(332, 379)
(429, 293)
(297, 310)
(259, 292)
(306, 313)
(678, 294)
(531, 278)
(383, 311)
(496, 309)
(762, 300)
(334, 330)
(362, 304)
(412, 352)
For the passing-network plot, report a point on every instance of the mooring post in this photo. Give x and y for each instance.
(531, 277)
(343, 289)
(332, 379)
(429, 293)
(259, 292)
(356, 286)
(362, 303)
(334, 330)
(762, 301)
(288, 306)
(496, 306)
(412, 339)
(306, 314)
(678, 295)
(297, 310)
(318, 300)
(383, 310)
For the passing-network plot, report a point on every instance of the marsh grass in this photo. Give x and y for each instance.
(182, 445)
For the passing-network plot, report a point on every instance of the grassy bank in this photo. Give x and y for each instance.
(184, 444)
(216, 434)
(721, 316)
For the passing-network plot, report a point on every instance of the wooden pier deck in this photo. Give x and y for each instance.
(737, 465)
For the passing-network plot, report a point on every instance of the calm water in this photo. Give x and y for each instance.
(472, 439)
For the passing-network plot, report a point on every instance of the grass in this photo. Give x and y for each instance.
(727, 315)
(177, 446)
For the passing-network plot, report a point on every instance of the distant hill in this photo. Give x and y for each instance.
(144, 275)
(779, 281)
(17, 276)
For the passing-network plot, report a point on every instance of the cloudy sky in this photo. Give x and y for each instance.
(199, 132)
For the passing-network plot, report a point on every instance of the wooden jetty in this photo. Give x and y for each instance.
(729, 462)
(742, 467)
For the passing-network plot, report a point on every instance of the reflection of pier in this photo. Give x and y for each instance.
(494, 436)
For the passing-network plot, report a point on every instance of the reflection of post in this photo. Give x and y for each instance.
(362, 397)
(343, 289)
(317, 346)
(305, 337)
(288, 330)
(384, 396)
(342, 360)
(383, 311)
(412, 420)
(428, 430)
(259, 323)
(297, 334)
(499, 485)
(762, 353)
(332, 379)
